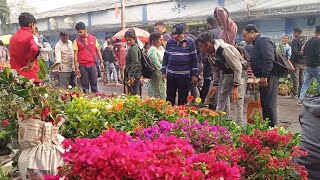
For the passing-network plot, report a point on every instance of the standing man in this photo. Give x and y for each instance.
(312, 53)
(160, 27)
(86, 52)
(109, 59)
(65, 56)
(45, 48)
(24, 50)
(121, 56)
(298, 61)
(261, 60)
(180, 65)
(212, 27)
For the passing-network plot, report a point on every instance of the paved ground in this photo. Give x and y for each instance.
(288, 109)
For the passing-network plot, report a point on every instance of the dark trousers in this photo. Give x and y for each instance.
(205, 89)
(269, 96)
(297, 78)
(182, 84)
(89, 78)
(135, 88)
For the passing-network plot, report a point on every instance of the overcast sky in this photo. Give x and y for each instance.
(45, 5)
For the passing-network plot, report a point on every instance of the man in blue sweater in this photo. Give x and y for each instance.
(180, 65)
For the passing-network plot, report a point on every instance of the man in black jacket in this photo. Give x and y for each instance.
(261, 60)
(312, 53)
(298, 61)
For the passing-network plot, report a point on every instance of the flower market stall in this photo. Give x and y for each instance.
(125, 137)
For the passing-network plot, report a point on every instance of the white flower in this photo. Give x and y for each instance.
(46, 96)
(109, 106)
(94, 110)
(70, 87)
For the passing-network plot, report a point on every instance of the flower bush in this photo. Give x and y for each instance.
(88, 117)
(202, 136)
(115, 155)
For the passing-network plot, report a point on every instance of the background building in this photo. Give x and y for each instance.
(273, 17)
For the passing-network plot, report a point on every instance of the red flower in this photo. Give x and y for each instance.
(190, 98)
(4, 123)
(45, 113)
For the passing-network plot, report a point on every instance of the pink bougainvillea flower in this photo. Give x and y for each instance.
(4, 123)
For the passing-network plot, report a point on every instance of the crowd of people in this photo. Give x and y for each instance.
(209, 65)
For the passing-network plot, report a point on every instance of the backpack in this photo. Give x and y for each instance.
(282, 66)
(147, 66)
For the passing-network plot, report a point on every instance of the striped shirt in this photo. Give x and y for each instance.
(180, 58)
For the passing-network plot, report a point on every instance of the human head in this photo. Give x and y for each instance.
(317, 32)
(118, 43)
(108, 39)
(205, 42)
(130, 37)
(160, 27)
(81, 29)
(185, 27)
(146, 46)
(297, 32)
(250, 33)
(27, 20)
(177, 32)
(156, 39)
(211, 23)
(285, 39)
(218, 17)
(64, 37)
(1, 43)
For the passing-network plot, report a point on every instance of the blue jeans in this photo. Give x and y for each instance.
(310, 72)
(111, 68)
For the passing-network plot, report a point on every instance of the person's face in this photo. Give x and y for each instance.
(159, 42)
(32, 27)
(109, 41)
(64, 39)
(248, 37)
(82, 33)
(204, 47)
(285, 40)
(159, 29)
(209, 26)
(130, 41)
(296, 34)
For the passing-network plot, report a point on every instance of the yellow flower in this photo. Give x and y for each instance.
(198, 100)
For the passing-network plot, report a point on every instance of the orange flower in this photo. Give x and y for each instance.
(118, 106)
(190, 98)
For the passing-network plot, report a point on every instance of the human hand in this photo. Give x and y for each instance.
(234, 94)
(194, 80)
(263, 82)
(212, 91)
(164, 77)
(77, 72)
(29, 66)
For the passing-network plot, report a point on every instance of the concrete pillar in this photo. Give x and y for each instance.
(144, 14)
(289, 26)
(221, 2)
(89, 19)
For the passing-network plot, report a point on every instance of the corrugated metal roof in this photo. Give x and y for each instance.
(92, 7)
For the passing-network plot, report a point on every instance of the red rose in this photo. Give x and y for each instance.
(190, 98)
(4, 123)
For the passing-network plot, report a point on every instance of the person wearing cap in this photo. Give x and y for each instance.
(180, 65)
(213, 27)
(65, 57)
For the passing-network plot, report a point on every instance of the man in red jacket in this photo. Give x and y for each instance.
(24, 50)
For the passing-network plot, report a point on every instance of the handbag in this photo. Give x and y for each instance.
(97, 60)
(254, 109)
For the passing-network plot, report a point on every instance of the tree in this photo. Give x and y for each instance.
(4, 15)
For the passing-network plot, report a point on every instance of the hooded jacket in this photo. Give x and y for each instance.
(232, 58)
(229, 27)
(310, 137)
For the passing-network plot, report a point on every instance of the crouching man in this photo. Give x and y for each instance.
(226, 58)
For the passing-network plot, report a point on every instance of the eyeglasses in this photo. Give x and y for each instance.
(244, 35)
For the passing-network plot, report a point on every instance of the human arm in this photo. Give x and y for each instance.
(57, 52)
(266, 49)
(153, 55)
(289, 52)
(165, 62)
(232, 57)
(99, 55)
(294, 48)
(76, 64)
(135, 54)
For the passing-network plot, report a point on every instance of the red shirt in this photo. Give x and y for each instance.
(23, 48)
(121, 56)
(84, 56)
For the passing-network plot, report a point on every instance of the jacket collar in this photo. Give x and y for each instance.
(257, 37)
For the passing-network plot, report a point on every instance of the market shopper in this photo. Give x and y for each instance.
(261, 61)
(312, 71)
(65, 57)
(156, 86)
(133, 64)
(180, 65)
(298, 61)
(227, 59)
(24, 49)
(86, 57)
